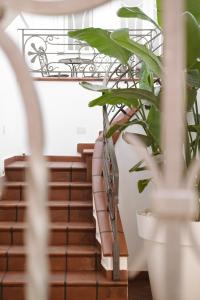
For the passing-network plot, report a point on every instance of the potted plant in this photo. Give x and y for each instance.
(162, 256)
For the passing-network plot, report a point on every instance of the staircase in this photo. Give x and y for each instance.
(74, 253)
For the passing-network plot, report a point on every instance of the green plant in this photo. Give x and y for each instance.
(118, 44)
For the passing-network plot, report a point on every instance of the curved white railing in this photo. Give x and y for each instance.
(37, 213)
(170, 184)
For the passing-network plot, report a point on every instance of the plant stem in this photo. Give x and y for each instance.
(142, 111)
(187, 151)
(197, 111)
(195, 116)
(190, 140)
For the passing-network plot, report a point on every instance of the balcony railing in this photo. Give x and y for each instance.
(52, 53)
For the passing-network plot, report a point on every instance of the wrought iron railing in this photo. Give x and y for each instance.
(111, 178)
(52, 53)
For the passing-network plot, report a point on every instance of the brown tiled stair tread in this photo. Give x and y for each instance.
(57, 225)
(61, 258)
(57, 203)
(73, 252)
(58, 171)
(87, 285)
(62, 184)
(50, 165)
(84, 278)
(63, 211)
(65, 233)
(57, 191)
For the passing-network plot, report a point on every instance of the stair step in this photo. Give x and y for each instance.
(60, 211)
(62, 234)
(57, 191)
(74, 256)
(71, 286)
(13, 286)
(61, 259)
(84, 146)
(59, 171)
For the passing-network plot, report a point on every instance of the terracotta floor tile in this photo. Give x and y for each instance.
(97, 165)
(57, 293)
(80, 292)
(112, 293)
(81, 278)
(62, 175)
(13, 292)
(139, 288)
(81, 263)
(100, 200)
(14, 286)
(14, 279)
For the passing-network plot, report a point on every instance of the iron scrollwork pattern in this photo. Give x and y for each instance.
(51, 53)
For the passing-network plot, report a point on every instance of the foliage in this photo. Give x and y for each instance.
(102, 41)
(135, 12)
(145, 97)
(121, 37)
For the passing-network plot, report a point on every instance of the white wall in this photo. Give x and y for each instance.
(11, 112)
(130, 200)
(67, 118)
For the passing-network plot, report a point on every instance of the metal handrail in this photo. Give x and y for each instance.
(111, 178)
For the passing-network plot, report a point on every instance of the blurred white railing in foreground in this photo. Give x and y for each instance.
(37, 214)
(170, 228)
(174, 197)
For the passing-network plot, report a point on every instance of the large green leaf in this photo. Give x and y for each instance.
(121, 127)
(94, 87)
(153, 122)
(146, 81)
(192, 39)
(193, 6)
(121, 37)
(128, 97)
(135, 12)
(159, 12)
(100, 39)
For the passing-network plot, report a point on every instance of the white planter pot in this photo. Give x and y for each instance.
(173, 264)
